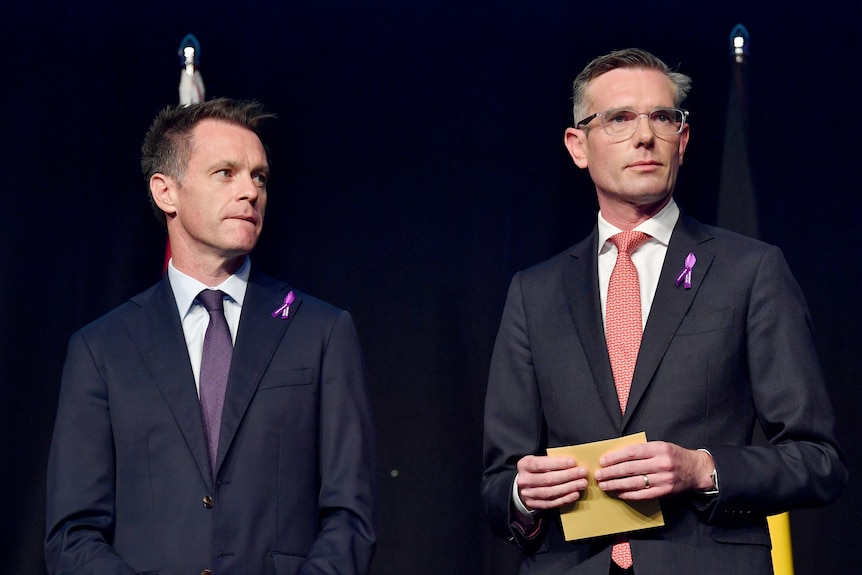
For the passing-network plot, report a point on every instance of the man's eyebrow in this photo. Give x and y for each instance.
(233, 165)
(221, 165)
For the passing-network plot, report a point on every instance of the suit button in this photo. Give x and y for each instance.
(208, 502)
(206, 572)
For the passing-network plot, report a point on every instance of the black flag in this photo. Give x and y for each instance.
(737, 206)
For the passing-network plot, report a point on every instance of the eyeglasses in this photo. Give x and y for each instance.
(622, 124)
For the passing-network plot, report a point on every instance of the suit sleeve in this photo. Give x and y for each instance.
(347, 499)
(514, 426)
(801, 465)
(81, 473)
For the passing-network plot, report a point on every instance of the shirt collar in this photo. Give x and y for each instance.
(659, 227)
(187, 288)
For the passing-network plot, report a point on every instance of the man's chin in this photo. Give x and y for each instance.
(239, 249)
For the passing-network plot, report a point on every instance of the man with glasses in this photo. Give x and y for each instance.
(654, 323)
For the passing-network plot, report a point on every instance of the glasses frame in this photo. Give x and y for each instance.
(601, 115)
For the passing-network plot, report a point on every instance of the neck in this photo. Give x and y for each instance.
(210, 273)
(628, 216)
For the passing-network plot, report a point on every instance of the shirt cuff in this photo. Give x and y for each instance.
(526, 521)
(516, 500)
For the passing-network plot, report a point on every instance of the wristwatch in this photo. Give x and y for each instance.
(714, 490)
(713, 476)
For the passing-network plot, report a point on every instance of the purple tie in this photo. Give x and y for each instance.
(215, 365)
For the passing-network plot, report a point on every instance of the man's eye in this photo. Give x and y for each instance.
(620, 116)
(661, 116)
(225, 173)
(260, 179)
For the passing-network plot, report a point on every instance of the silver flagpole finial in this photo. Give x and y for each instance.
(191, 89)
(739, 43)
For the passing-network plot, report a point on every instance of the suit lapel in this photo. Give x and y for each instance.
(670, 304)
(258, 337)
(156, 330)
(581, 286)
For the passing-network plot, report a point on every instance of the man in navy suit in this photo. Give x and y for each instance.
(726, 345)
(133, 484)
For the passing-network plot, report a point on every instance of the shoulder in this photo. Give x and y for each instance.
(156, 296)
(719, 238)
(732, 258)
(272, 293)
(729, 248)
(577, 260)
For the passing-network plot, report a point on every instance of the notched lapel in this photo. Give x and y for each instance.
(157, 332)
(257, 340)
(581, 286)
(671, 303)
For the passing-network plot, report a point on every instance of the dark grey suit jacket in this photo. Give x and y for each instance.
(733, 351)
(294, 489)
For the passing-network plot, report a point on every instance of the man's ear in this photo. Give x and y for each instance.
(683, 142)
(163, 189)
(576, 143)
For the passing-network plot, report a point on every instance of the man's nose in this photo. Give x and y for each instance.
(643, 131)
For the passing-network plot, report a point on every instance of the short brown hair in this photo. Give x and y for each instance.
(628, 58)
(167, 145)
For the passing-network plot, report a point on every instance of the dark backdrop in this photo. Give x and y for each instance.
(418, 164)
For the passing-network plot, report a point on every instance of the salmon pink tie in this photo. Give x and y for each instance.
(623, 331)
(215, 365)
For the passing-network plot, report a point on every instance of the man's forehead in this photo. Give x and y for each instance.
(625, 87)
(211, 127)
(212, 135)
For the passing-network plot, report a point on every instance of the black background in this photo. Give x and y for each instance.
(418, 163)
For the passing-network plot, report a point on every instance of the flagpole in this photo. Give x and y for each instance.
(191, 91)
(737, 211)
(737, 206)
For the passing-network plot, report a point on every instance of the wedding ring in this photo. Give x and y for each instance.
(646, 482)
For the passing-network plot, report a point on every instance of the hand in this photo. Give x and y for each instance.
(549, 482)
(654, 469)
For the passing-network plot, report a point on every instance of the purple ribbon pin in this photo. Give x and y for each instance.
(284, 310)
(685, 274)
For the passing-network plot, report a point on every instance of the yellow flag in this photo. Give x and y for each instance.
(782, 554)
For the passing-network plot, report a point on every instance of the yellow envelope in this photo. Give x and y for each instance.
(598, 513)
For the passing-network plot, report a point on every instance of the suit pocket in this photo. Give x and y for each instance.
(742, 535)
(287, 564)
(288, 378)
(707, 322)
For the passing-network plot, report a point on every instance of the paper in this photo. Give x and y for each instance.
(598, 513)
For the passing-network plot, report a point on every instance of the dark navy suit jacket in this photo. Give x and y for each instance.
(129, 483)
(732, 352)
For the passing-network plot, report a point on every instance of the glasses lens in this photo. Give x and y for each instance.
(620, 122)
(666, 122)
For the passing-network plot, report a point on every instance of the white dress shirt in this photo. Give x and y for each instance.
(648, 259)
(194, 315)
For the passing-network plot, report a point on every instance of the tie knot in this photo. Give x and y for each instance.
(212, 299)
(629, 241)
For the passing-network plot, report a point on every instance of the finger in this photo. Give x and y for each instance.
(628, 453)
(624, 470)
(630, 484)
(543, 463)
(553, 496)
(551, 479)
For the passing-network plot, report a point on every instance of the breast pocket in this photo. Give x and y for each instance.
(283, 377)
(707, 322)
